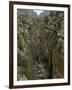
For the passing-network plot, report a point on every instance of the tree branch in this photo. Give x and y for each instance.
(50, 29)
(61, 37)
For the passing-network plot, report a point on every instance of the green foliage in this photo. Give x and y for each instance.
(46, 19)
(22, 62)
(55, 20)
(25, 71)
(38, 46)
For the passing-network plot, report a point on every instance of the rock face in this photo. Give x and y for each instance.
(28, 12)
(40, 45)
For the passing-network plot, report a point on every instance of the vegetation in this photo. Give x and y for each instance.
(40, 45)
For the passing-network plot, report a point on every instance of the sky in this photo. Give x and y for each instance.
(38, 11)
